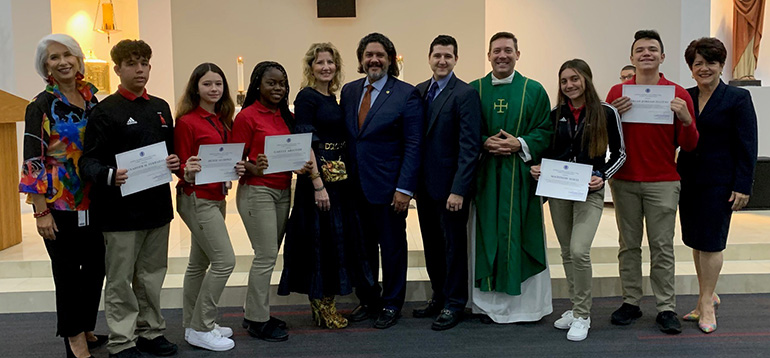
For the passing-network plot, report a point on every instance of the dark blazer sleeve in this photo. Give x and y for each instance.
(615, 141)
(469, 109)
(95, 153)
(745, 142)
(412, 134)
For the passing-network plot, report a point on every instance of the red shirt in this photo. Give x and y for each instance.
(251, 126)
(191, 130)
(575, 111)
(651, 148)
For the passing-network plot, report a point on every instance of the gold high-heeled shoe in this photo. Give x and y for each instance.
(332, 319)
(315, 311)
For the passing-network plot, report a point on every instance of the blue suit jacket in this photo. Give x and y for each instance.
(726, 154)
(385, 152)
(452, 140)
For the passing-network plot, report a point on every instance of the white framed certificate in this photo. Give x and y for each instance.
(287, 152)
(146, 168)
(649, 104)
(218, 162)
(564, 180)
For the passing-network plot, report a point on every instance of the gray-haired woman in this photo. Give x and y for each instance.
(53, 142)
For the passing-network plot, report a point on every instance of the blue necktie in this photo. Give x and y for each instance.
(432, 92)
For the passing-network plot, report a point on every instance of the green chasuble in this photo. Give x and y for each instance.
(509, 227)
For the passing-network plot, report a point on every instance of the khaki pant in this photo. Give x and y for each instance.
(653, 203)
(135, 263)
(264, 212)
(575, 224)
(210, 245)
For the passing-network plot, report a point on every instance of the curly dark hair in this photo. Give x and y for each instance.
(710, 48)
(252, 94)
(128, 49)
(390, 49)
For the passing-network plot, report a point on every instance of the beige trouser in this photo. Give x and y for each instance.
(654, 203)
(135, 266)
(210, 245)
(264, 212)
(575, 224)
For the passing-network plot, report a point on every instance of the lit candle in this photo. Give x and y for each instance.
(400, 64)
(240, 74)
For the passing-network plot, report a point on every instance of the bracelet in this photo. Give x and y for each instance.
(42, 213)
(319, 189)
(315, 175)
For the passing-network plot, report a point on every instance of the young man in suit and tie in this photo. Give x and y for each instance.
(451, 146)
(384, 124)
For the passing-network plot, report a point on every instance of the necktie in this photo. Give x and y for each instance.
(365, 104)
(432, 92)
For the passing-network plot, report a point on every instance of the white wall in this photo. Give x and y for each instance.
(283, 30)
(598, 31)
(155, 29)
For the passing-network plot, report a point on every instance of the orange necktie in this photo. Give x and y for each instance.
(365, 104)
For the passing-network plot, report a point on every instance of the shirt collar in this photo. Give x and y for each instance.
(203, 113)
(661, 81)
(575, 111)
(130, 96)
(442, 82)
(261, 108)
(379, 84)
(502, 81)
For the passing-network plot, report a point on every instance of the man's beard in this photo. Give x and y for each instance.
(374, 77)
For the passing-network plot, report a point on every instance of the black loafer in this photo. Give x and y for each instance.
(446, 320)
(625, 315)
(668, 323)
(159, 346)
(267, 331)
(127, 353)
(245, 324)
(387, 318)
(432, 309)
(101, 339)
(361, 313)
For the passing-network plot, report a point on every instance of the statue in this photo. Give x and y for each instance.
(748, 16)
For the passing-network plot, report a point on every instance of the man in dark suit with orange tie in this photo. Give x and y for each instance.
(451, 147)
(384, 121)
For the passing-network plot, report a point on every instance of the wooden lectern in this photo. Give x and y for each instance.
(11, 111)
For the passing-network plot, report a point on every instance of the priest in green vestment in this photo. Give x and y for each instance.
(509, 244)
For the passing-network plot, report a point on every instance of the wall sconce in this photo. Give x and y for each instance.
(97, 72)
(104, 21)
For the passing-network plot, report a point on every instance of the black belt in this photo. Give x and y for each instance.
(329, 146)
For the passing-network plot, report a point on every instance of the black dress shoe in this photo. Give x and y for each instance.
(127, 353)
(267, 331)
(625, 315)
(668, 323)
(432, 309)
(101, 339)
(388, 317)
(446, 320)
(361, 313)
(159, 346)
(279, 322)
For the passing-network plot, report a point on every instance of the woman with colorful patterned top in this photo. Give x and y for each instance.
(55, 122)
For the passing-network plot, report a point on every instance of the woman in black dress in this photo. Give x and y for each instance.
(717, 176)
(323, 236)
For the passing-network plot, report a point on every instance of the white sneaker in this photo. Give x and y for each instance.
(226, 332)
(187, 332)
(565, 320)
(578, 330)
(212, 341)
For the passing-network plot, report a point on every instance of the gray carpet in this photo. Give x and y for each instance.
(743, 332)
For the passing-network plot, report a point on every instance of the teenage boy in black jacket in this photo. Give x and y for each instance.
(135, 226)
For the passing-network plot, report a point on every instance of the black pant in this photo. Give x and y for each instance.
(385, 228)
(444, 237)
(77, 262)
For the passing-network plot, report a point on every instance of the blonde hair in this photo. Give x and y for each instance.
(308, 79)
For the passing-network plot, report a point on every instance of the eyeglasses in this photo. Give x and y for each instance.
(626, 78)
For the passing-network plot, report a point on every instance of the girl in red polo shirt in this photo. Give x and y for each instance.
(205, 116)
(263, 199)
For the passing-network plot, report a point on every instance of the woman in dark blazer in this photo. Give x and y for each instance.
(717, 176)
